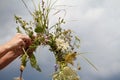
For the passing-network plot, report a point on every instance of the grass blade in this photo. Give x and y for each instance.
(89, 62)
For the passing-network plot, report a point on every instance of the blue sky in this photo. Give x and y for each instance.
(97, 22)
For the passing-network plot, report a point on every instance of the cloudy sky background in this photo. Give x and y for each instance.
(97, 22)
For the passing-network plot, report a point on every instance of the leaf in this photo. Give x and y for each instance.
(38, 29)
(24, 60)
(18, 30)
(30, 34)
(77, 39)
(33, 62)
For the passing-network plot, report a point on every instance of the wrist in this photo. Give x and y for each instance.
(6, 47)
(3, 50)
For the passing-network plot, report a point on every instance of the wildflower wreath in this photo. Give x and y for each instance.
(62, 42)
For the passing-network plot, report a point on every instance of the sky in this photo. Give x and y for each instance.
(95, 21)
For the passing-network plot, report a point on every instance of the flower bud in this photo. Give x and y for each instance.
(22, 68)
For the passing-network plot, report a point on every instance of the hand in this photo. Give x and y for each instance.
(13, 48)
(18, 42)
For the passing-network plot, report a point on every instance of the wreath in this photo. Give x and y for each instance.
(63, 43)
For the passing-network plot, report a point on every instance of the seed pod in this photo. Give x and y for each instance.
(79, 68)
(22, 68)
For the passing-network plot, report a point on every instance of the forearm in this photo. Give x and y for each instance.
(7, 58)
(3, 50)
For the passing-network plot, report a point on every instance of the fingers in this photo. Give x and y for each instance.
(23, 36)
(21, 44)
(21, 41)
(26, 39)
(17, 43)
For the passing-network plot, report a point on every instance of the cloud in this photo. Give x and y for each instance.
(93, 14)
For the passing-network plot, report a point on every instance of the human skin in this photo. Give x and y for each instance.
(13, 49)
